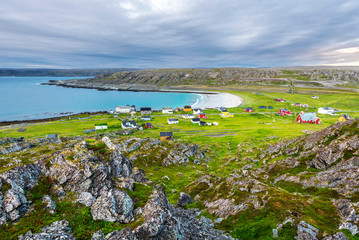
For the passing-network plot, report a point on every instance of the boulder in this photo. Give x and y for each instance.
(86, 198)
(98, 236)
(57, 230)
(50, 205)
(184, 199)
(120, 165)
(337, 236)
(124, 234)
(113, 206)
(306, 231)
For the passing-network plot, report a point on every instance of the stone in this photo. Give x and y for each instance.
(86, 198)
(124, 234)
(275, 232)
(57, 230)
(350, 226)
(50, 204)
(113, 206)
(306, 231)
(337, 236)
(109, 143)
(98, 235)
(184, 199)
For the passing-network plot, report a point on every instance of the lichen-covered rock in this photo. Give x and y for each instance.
(184, 199)
(109, 143)
(159, 221)
(225, 207)
(306, 231)
(337, 236)
(26, 177)
(120, 165)
(57, 230)
(351, 227)
(86, 198)
(113, 206)
(124, 234)
(98, 235)
(15, 203)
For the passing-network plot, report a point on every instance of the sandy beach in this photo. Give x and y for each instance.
(218, 100)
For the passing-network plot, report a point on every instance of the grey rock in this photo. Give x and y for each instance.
(50, 204)
(26, 177)
(275, 232)
(15, 203)
(98, 235)
(120, 165)
(337, 236)
(109, 143)
(57, 230)
(184, 199)
(306, 231)
(112, 206)
(86, 198)
(124, 234)
(350, 226)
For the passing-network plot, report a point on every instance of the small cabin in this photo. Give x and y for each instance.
(167, 110)
(344, 118)
(195, 120)
(172, 121)
(279, 100)
(148, 125)
(284, 112)
(222, 109)
(129, 124)
(133, 108)
(248, 109)
(202, 116)
(308, 118)
(146, 118)
(123, 109)
(201, 123)
(146, 110)
(315, 97)
(101, 126)
(187, 108)
(166, 136)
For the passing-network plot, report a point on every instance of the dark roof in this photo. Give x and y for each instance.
(173, 119)
(166, 134)
(145, 109)
(195, 120)
(187, 107)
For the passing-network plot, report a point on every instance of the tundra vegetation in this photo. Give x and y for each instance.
(254, 176)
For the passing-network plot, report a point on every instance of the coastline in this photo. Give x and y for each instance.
(210, 101)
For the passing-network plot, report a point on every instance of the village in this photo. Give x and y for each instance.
(140, 119)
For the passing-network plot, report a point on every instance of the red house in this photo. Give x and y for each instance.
(284, 112)
(148, 125)
(308, 118)
(248, 109)
(279, 100)
(202, 116)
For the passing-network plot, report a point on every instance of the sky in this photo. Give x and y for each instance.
(178, 33)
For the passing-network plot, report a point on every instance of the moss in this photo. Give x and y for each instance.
(5, 187)
(140, 194)
(41, 189)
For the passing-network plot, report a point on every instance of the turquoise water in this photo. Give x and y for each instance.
(22, 98)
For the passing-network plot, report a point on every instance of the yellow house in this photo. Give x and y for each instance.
(226, 114)
(187, 108)
(344, 118)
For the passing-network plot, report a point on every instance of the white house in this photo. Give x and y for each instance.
(172, 121)
(129, 124)
(123, 109)
(167, 110)
(315, 97)
(326, 110)
(101, 126)
(197, 111)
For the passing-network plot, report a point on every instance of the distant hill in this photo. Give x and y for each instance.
(59, 72)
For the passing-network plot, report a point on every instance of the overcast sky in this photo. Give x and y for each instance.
(178, 33)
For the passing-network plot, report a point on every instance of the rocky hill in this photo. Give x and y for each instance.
(99, 188)
(172, 78)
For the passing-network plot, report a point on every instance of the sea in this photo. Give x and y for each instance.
(23, 98)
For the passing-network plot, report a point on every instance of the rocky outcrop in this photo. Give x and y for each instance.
(306, 231)
(57, 230)
(113, 206)
(124, 234)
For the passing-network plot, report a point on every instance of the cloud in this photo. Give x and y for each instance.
(181, 33)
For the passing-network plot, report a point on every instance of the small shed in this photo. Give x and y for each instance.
(172, 121)
(129, 124)
(195, 120)
(197, 111)
(344, 117)
(326, 110)
(148, 125)
(166, 136)
(248, 109)
(101, 126)
(146, 118)
(284, 112)
(202, 116)
(308, 118)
